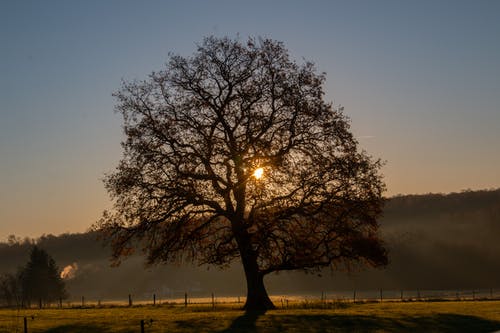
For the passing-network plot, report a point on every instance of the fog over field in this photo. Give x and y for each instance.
(435, 241)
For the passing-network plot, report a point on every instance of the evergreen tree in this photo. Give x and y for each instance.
(40, 280)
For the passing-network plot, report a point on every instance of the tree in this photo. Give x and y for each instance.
(10, 289)
(40, 280)
(232, 153)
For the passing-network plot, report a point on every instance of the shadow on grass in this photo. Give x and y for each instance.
(357, 323)
(77, 328)
(246, 322)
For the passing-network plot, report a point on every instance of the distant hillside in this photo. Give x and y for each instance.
(444, 241)
(436, 241)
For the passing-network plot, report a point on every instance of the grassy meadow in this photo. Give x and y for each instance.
(447, 316)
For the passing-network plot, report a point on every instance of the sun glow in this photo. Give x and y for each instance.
(258, 173)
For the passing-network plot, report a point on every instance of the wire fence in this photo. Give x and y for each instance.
(199, 298)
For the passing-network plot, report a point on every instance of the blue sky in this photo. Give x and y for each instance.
(419, 79)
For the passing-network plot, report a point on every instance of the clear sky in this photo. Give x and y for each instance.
(419, 79)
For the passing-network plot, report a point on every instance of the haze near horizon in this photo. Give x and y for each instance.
(418, 80)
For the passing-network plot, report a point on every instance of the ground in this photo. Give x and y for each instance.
(449, 316)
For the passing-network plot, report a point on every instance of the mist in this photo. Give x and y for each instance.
(435, 241)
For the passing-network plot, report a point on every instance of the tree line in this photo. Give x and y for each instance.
(435, 240)
(38, 282)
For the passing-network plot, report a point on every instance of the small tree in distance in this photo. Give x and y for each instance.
(233, 153)
(10, 291)
(40, 280)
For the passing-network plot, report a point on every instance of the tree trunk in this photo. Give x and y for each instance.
(257, 298)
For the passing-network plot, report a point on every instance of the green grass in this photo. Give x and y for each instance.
(479, 316)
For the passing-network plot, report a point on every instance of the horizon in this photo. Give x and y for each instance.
(419, 82)
(22, 238)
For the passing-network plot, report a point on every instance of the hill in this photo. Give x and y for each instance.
(436, 241)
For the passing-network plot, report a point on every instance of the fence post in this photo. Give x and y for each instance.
(142, 325)
(185, 299)
(381, 295)
(401, 295)
(154, 299)
(129, 300)
(25, 325)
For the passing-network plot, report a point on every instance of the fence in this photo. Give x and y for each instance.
(24, 320)
(186, 299)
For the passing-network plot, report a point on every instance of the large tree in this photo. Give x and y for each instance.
(233, 153)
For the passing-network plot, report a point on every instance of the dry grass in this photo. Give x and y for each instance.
(478, 316)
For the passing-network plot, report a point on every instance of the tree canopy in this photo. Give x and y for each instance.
(233, 153)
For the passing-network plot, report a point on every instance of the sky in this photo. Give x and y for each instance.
(420, 81)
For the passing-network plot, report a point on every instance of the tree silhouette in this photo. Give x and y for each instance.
(232, 153)
(10, 291)
(40, 280)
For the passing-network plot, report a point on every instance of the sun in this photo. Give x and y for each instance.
(258, 173)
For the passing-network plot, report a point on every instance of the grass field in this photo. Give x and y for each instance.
(468, 316)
